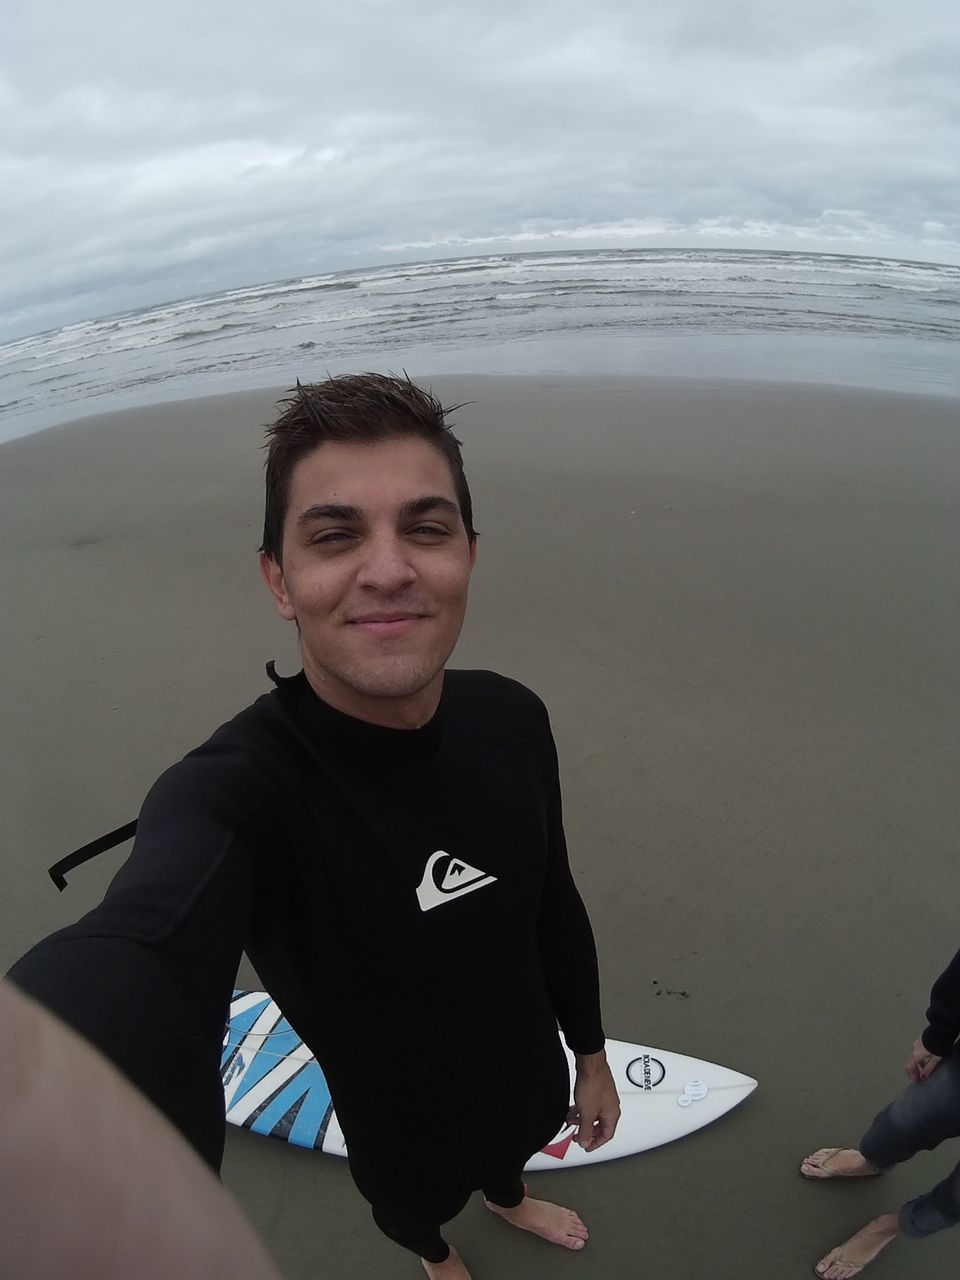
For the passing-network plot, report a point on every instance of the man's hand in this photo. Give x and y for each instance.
(921, 1062)
(596, 1108)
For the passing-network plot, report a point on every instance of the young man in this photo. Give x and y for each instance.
(925, 1114)
(383, 837)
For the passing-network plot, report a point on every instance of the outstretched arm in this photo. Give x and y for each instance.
(146, 976)
(96, 1182)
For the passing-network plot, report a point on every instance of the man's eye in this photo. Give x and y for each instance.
(329, 538)
(430, 531)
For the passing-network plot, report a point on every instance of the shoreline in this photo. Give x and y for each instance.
(892, 365)
(272, 391)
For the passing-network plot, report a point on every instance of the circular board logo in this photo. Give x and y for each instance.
(645, 1072)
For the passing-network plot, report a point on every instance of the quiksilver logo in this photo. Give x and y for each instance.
(446, 877)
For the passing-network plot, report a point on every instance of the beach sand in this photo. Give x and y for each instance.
(740, 603)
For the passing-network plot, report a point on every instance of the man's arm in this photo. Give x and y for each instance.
(146, 976)
(96, 1182)
(127, 1000)
(943, 1015)
(569, 957)
(596, 1103)
(943, 1025)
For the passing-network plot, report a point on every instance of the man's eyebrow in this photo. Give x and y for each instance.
(353, 515)
(429, 502)
(329, 511)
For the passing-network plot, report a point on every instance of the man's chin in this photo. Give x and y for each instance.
(390, 678)
(396, 686)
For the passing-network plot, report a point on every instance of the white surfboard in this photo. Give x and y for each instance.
(273, 1085)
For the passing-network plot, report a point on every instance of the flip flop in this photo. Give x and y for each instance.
(828, 1154)
(835, 1259)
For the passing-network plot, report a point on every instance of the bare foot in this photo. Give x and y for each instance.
(450, 1269)
(550, 1221)
(837, 1162)
(849, 1259)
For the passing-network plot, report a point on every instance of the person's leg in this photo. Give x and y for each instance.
(419, 1235)
(505, 1191)
(919, 1118)
(418, 1229)
(935, 1210)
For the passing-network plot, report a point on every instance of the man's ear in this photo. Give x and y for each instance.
(273, 576)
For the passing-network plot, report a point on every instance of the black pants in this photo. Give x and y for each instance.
(422, 1235)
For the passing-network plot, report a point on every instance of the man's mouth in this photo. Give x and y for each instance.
(387, 624)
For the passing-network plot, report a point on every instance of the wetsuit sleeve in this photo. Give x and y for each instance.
(567, 948)
(943, 1016)
(147, 975)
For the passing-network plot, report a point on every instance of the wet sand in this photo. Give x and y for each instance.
(740, 603)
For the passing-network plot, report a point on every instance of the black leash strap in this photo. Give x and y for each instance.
(58, 871)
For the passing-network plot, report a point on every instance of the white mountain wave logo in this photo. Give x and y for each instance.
(446, 877)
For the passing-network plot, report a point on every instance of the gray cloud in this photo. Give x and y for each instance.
(203, 145)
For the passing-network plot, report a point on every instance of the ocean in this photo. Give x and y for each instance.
(830, 319)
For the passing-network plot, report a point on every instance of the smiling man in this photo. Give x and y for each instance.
(384, 837)
(372, 564)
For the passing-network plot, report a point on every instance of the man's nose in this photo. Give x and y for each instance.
(386, 565)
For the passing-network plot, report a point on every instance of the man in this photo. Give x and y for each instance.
(921, 1117)
(385, 840)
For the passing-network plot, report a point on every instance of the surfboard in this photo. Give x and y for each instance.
(273, 1085)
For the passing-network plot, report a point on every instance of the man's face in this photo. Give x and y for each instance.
(376, 565)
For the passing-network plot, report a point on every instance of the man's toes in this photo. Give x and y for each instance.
(833, 1268)
(835, 1162)
(813, 1164)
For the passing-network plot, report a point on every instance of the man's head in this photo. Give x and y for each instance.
(369, 543)
(361, 408)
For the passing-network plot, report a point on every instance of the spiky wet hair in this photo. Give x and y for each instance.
(360, 408)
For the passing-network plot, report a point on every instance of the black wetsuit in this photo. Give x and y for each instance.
(405, 897)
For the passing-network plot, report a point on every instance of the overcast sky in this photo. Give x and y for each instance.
(149, 152)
